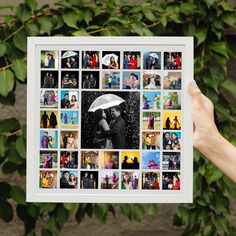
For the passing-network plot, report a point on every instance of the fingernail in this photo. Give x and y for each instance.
(194, 84)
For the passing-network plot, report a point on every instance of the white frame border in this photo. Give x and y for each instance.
(187, 152)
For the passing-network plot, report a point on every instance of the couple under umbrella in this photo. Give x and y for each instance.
(108, 136)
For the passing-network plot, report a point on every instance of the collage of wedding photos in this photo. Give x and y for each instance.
(110, 120)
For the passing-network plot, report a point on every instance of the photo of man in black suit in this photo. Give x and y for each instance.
(110, 120)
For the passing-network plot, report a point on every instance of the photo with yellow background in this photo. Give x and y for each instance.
(130, 160)
(171, 120)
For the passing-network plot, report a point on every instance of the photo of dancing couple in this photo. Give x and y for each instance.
(110, 120)
(171, 181)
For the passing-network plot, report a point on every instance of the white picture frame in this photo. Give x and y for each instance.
(171, 45)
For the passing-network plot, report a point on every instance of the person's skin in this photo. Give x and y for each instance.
(206, 137)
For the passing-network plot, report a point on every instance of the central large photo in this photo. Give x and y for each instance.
(110, 120)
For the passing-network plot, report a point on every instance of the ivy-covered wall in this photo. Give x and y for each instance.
(206, 20)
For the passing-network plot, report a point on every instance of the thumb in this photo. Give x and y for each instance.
(195, 94)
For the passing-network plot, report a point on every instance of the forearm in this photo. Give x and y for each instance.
(222, 153)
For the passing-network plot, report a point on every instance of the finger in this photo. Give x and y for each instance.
(196, 95)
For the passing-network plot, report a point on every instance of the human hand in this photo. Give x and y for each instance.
(205, 131)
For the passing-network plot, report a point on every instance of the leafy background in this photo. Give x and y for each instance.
(209, 21)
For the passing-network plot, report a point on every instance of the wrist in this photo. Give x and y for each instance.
(211, 143)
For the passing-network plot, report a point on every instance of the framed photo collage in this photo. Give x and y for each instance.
(109, 119)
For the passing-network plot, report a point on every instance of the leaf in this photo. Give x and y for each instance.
(220, 48)
(47, 207)
(32, 29)
(81, 32)
(23, 13)
(13, 155)
(93, 27)
(53, 226)
(222, 223)
(214, 175)
(229, 19)
(116, 20)
(32, 4)
(3, 48)
(21, 146)
(70, 206)
(45, 24)
(230, 86)
(9, 167)
(80, 213)
(210, 2)
(18, 194)
(6, 211)
(183, 214)
(5, 189)
(23, 215)
(226, 6)
(201, 35)
(152, 209)
(100, 211)
(33, 210)
(137, 28)
(7, 82)
(126, 210)
(189, 29)
(9, 100)
(149, 15)
(8, 125)
(20, 69)
(70, 19)
(20, 40)
(188, 8)
(138, 212)
(87, 16)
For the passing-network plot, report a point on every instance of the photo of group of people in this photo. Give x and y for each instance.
(110, 120)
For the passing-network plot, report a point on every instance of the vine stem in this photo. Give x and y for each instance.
(10, 65)
(18, 132)
(14, 33)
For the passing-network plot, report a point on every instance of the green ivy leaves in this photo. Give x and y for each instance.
(7, 82)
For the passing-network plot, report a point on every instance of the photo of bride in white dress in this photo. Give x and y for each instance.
(151, 80)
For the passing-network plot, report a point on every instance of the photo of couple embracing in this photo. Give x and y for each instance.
(110, 120)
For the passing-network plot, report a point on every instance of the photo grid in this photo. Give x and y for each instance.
(110, 120)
